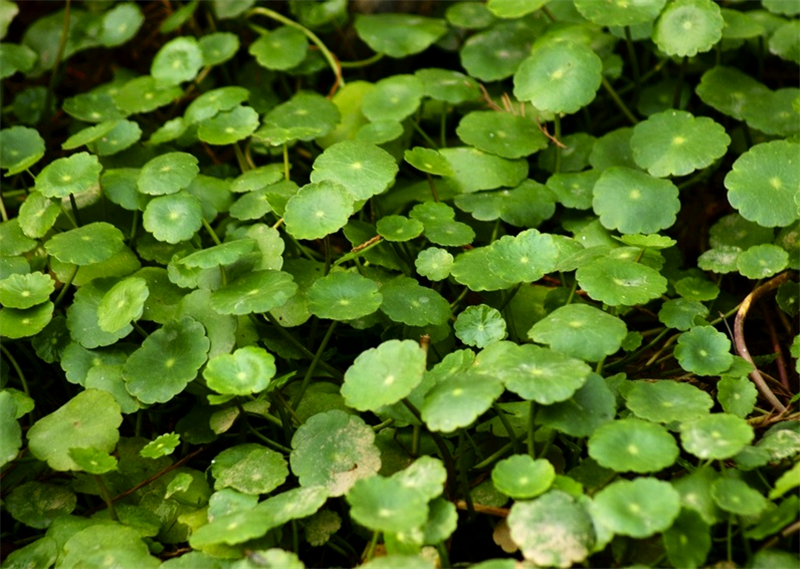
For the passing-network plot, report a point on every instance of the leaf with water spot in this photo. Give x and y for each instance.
(633, 445)
(383, 375)
(406, 301)
(318, 209)
(249, 468)
(334, 450)
(504, 134)
(167, 361)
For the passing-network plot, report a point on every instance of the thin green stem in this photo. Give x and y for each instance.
(424, 135)
(443, 126)
(557, 135)
(286, 175)
(106, 497)
(532, 430)
(676, 96)
(437, 439)
(371, 548)
(459, 298)
(65, 287)
(415, 436)
(310, 371)
(240, 158)
(362, 62)
(211, 232)
(499, 453)
(62, 44)
(509, 296)
(572, 290)
(506, 426)
(380, 426)
(326, 53)
(268, 441)
(444, 557)
(17, 369)
(299, 345)
(615, 97)
(75, 210)
(637, 80)
(3, 212)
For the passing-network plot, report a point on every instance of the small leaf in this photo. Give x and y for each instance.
(634, 202)
(215, 101)
(675, 143)
(86, 245)
(167, 361)
(697, 289)
(385, 504)
(123, 303)
(447, 85)
(21, 148)
(227, 127)
(522, 477)
(503, 134)
(334, 450)
(343, 296)
(704, 351)
(762, 261)
(524, 258)
(72, 175)
(306, 116)
(167, 174)
(173, 218)
(580, 415)
(666, 401)
(398, 35)
(616, 281)
(774, 112)
(633, 445)
(383, 375)
(20, 323)
(559, 77)
(574, 189)
(737, 395)
(553, 530)
(246, 371)
(688, 541)
(763, 181)
(581, 331)
(120, 24)
(399, 228)
(497, 52)
(480, 326)
(318, 209)
(254, 292)
(218, 47)
(717, 436)
(434, 263)
(92, 460)
(638, 508)
(458, 401)
(687, 27)
(280, 49)
(428, 160)
(249, 468)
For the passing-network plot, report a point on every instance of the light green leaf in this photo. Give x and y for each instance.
(25, 291)
(666, 401)
(363, 169)
(386, 504)
(447, 85)
(434, 263)
(21, 148)
(581, 331)
(638, 508)
(474, 170)
(504, 134)
(10, 430)
(633, 445)
(687, 27)
(86, 245)
(737, 497)
(72, 175)
(616, 281)
(717, 436)
(527, 257)
(318, 209)
(497, 52)
(522, 477)
(247, 370)
(727, 89)
(704, 350)
(393, 98)
(457, 401)
(399, 228)
(762, 261)
(144, 94)
(123, 303)
(737, 395)
(227, 127)
(254, 292)
(20, 323)
(480, 326)
(398, 35)
(173, 218)
(634, 202)
(167, 173)
(249, 468)
(92, 460)
(688, 541)
(406, 301)
(527, 205)
(620, 12)
(280, 49)
(37, 504)
(343, 296)
(218, 47)
(120, 24)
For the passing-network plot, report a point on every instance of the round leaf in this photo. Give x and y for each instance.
(737, 395)
(363, 169)
(383, 375)
(434, 263)
(218, 47)
(318, 209)
(247, 370)
(20, 323)
(638, 508)
(398, 35)
(737, 497)
(727, 90)
(574, 189)
(89, 420)
(480, 326)
(687, 27)
(589, 407)
(393, 98)
(552, 531)
(581, 331)
(717, 436)
(762, 261)
(167, 361)
(25, 291)
(162, 445)
(458, 401)
(448, 85)
(167, 174)
(522, 477)
(406, 301)
(72, 175)
(280, 49)
(249, 468)
(21, 148)
(559, 77)
(123, 303)
(620, 12)
(634, 202)
(503, 134)
(173, 218)
(334, 450)
(254, 292)
(633, 445)
(497, 52)
(474, 170)
(92, 460)
(82, 319)
(92, 243)
(704, 351)
(666, 401)
(212, 102)
(343, 296)
(385, 504)
(144, 94)
(615, 281)
(37, 504)
(306, 116)
(527, 205)
(399, 228)
(228, 127)
(675, 143)
(120, 24)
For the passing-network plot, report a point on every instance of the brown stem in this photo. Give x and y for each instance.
(776, 348)
(738, 336)
(481, 509)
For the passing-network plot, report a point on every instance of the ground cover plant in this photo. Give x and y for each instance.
(428, 284)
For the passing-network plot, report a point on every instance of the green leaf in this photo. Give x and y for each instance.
(25, 291)
(469, 15)
(504, 134)
(386, 504)
(737, 395)
(434, 263)
(474, 170)
(717, 436)
(687, 27)
(123, 303)
(92, 107)
(406, 301)
(682, 314)
(616, 281)
(559, 77)
(633, 445)
(781, 43)
(574, 189)
(249, 468)
(37, 504)
(306, 116)
(167, 361)
(458, 401)
(16, 57)
(514, 8)
(120, 24)
(19, 323)
(363, 169)
(762, 261)
(634, 202)
(728, 89)
(21, 148)
(524, 258)
(522, 477)
(447, 85)
(688, 541)
(173, 218)
(620, 12)
(787, 481)
(218, 47)
(737, 497)
(399, 228)
(73, 175)
(88, 420)
(393, 98)
(553, 530)
(10, 430)
(696, 289)
(380, 132)
(144, 94)
(280, 49)
(227, 127)
(92, 460)
(581, 331)
(318, 209)
(527, 205)
(247, 370)
(167, 174)
(343, 295)
(675, 143)
(110, 544)
(398, 35)
(334, 450)
(666, 401)
(383, 375)
(638, 508)
(704, 351)
(589, 407)
(774, 112)
(254, 292)
(497, 52)
(211, 102)
(92, 243)
(480, 326)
